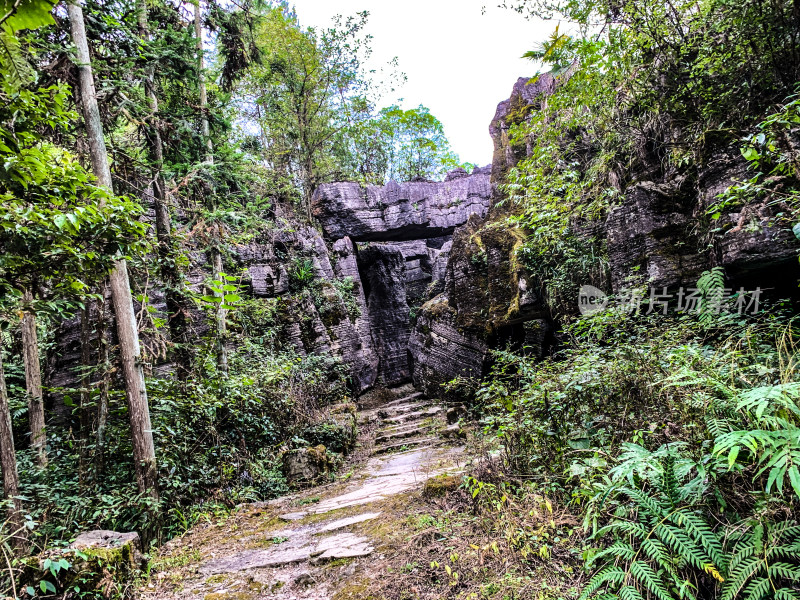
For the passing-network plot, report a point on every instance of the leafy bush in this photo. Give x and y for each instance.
(677, 440)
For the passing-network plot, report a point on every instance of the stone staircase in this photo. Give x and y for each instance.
(308, 545)
(412, 421)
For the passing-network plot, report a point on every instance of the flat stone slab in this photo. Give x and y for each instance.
(409, 399)
(415, 416)
(394, 411)
(295, 516)
(343, 545)
(409, 443)
(342, 523)
(387, 476)
(340, 545)
(401, 434)
(256, 559)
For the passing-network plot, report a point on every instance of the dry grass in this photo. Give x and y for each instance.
(457, 546)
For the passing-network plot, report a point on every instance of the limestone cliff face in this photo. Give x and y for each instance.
(658, 234)
(437, 284)
(315, 323)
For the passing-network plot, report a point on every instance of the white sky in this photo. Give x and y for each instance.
(460, 63)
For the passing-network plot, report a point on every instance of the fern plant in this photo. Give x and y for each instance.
(764, 564)
(663, 546)
(711, 286)
(768, 432)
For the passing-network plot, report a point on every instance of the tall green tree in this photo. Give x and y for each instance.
(308, 91)
(127, 331)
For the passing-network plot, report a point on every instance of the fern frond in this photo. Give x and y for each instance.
(785, 571)
(702, 534)
(645, 575)
(718, 426)
(648, 503)
(657, 552)
(637, 530)
(788, 533)
(618, 549)
(682, 545)
(757, 589)
(746, 551)
(738, 578)
(786, 594)
(669, 482)
(628, 592)
(612, 575)
(785, 552)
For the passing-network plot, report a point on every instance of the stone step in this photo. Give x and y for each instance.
(403, 433)
(394, 411)
(409, 443)
(433, 411)
(409, 398)
(419, 423)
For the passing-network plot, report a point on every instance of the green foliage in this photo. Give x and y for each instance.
(54, 219)
(766, 429)
(764, 563)
(348, 294)
(675, 438)
(665, 544)
(226, 292)
(402, 145)
(775, 159)
(643, 90)
(302, 273)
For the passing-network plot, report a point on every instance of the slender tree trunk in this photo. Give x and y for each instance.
(105, 374)
(201, 83)
(216, 254)
(141, 430)
(222, 351)
(127, 332)
(8, 462)
(33, 382)
(175, 294)
(308, 187)
(86, 394)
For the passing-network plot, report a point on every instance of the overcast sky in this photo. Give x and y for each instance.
(460, 63)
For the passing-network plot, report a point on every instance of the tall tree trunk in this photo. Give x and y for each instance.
(86, 394)
(201, 83)
(8, 462)
(175, 293)
(127, 332)
(222, 351)
(216, 254)
(309, 185)
(33, 381)
(105, 381)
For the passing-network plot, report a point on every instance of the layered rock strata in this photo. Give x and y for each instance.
(400, 211)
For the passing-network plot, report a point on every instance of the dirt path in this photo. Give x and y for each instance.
(315, 545)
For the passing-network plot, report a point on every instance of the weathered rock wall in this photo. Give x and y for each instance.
(312, 324)
(403, 235)
(659, 235)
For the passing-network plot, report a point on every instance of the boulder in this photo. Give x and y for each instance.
(120, 549)
(306, 466)
(98, 563)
